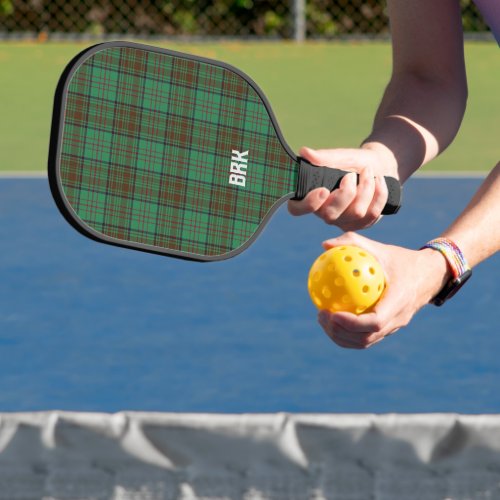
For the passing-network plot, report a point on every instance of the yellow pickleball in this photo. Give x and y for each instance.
(346, 278)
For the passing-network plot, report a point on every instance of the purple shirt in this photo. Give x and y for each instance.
(490, 9)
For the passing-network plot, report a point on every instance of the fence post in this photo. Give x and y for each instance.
(299, 20)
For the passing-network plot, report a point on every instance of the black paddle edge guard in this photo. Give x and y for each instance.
(312, 177)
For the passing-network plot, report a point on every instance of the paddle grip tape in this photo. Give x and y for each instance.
(312, 177)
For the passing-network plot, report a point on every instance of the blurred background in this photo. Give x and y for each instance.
(345, 60)
(283, 19)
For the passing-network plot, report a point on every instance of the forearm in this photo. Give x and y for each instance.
(416, 120)
(424, 103)
(477, 230)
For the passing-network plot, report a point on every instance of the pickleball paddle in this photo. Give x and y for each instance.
(172, 153)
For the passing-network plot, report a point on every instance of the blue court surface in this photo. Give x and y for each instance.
(91, 327)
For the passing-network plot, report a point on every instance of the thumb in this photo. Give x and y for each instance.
(338, 158)
(349, 238)
(312, 156)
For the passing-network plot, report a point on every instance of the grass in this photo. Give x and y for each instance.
(323, 94)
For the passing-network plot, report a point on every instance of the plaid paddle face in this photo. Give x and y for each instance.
(146, 147)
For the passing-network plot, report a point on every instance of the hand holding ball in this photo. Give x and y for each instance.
(346, 278)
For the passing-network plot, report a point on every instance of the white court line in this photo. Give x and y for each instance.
(454, 174)
(24, 174)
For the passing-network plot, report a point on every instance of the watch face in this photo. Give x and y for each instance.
(451, 288)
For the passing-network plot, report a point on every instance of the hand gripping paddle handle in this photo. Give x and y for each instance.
(312, 177)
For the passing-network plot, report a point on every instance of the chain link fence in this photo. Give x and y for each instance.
(206, 18)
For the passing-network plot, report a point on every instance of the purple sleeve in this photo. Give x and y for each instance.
(490, 9)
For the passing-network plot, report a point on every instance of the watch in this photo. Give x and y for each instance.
(459, 267)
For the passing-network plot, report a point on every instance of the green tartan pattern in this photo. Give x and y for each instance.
(146, 152)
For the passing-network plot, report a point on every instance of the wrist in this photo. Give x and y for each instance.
(437, 272)
(386, 157)
(457, 265)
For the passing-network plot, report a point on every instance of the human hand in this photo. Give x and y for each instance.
(413, 278)
(351, 206)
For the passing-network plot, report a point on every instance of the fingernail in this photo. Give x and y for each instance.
(348, 178)
(324, 194)
(305, 150)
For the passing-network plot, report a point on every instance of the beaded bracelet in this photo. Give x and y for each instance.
(460, 269)
(452, 254)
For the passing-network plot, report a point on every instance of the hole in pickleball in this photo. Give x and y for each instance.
(366, 289)
(346, 299)
(317, 276)
(356, 273)
(372, 270)
(327, 293)
(360, 309)
(362, 254)
(348, 258)
(379, 287)
(317, 300)
(339, 281)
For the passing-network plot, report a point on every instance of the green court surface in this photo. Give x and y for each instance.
(323, 94)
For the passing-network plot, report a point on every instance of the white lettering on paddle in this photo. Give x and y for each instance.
(238, 172)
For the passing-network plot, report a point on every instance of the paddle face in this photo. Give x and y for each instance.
(166, 152)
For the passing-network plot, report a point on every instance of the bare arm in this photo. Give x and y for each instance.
(418, 117)
(477, 230)
(424, 102)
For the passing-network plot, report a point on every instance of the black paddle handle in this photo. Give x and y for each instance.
(312, 177)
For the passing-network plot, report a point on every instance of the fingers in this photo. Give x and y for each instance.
(356, 204)
(316, 198)
(335, 205)
(351, 206)
(343, 158)
(364, 195)
(314, 156)
(352, 238)
(310, 204)
(354, 332)
(365, 208)
(380, 196)
(409, 284)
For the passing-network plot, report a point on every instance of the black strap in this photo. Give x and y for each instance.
(312, 177)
